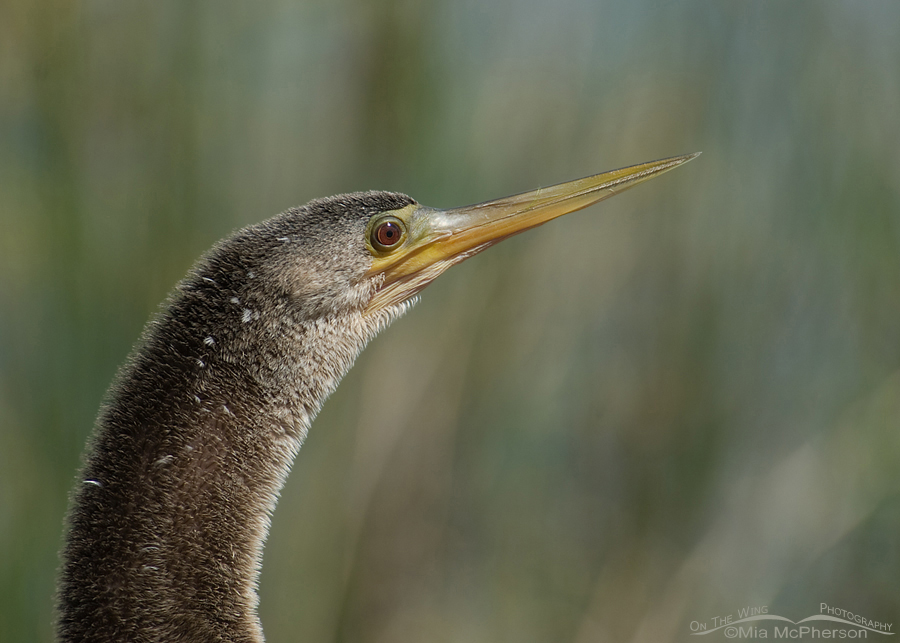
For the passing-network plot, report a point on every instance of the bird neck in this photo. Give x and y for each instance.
(167, 525)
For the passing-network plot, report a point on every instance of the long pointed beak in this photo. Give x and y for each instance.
(437, 239)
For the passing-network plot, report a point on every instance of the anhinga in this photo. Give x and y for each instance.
(199, 430)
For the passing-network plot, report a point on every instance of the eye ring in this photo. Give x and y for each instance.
(387, 234)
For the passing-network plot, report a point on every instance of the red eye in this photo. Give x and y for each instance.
(387, 234)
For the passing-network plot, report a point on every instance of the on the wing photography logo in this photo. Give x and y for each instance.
(757, 623)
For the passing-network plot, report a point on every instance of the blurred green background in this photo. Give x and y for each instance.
(680, 402)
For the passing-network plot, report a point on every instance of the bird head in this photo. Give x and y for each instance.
(372, 252)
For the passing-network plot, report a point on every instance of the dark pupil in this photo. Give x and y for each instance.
(388, 234)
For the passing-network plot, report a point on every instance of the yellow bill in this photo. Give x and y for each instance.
(414, 245)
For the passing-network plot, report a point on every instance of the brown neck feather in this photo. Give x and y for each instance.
(200, 430)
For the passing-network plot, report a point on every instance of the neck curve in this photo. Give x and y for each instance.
(167, 525)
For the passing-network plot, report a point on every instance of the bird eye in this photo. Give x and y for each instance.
(387, 233)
